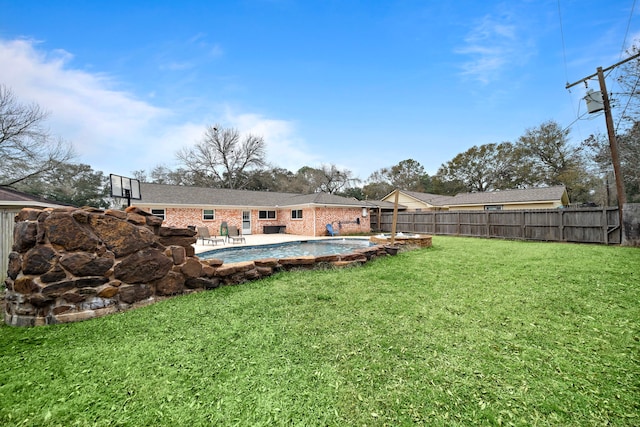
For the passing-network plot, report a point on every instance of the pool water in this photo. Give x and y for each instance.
(287, 250)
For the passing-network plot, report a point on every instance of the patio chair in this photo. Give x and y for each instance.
(203, 233)
(331, 231)
(235, 235)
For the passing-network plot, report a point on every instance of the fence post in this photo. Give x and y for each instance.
(487, 214)
(605, 226)
(433, 231)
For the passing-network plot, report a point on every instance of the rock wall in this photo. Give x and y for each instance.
(73, 264)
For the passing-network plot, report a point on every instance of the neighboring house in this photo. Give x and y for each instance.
(414, 201)
(254, 212)
(530, 198)
(11, 202)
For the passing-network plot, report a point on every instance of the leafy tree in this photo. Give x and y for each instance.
(376, 190)
(407, 175)
(629, 151)
(629, 145)
(353, 192)
(547, 149)
(223, 158)
(447, 188)
(477, 169)
(26, 147)
(72, 184)
(306, 180)
(272, 179)
(541, 157)
(553, 161)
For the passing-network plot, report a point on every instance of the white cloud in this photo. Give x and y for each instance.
(106, 126)
(492, 46)
(284, 148)
(112, 130)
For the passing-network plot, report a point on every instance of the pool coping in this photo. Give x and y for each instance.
(234, 247)
(268, 239)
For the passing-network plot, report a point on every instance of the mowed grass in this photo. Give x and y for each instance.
(469, 332)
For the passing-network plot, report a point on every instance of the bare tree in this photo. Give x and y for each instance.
(26, 147)
(326, 179)
(336, 180)
(223, 157)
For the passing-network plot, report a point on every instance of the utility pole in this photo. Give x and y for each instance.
(613, 143)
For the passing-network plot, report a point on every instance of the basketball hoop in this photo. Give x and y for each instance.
(125, 188)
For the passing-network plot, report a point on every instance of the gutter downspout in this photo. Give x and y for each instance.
(314, 221)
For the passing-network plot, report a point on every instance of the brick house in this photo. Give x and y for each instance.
(254, 212)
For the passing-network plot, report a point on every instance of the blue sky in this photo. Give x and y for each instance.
(359, 84)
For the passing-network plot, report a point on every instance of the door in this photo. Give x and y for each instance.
(246, 222)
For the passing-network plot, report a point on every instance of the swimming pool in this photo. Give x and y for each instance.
(287, 250)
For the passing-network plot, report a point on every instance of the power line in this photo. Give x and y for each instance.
(566, 69)
(624, 110)
(576, 120)
(564, 50)
(637, 82)
(626, 33)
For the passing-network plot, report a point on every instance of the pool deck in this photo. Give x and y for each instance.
(263, 239)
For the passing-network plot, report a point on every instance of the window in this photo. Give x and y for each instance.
(158, 212)
(296, 214)
(266, 214)
(208, 214)
(492, 207)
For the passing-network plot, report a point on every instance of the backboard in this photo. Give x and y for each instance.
(127, 188)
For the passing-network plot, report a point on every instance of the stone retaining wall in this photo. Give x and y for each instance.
(71, 264)
(420, 240)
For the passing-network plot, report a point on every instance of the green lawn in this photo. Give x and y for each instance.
(471, 331)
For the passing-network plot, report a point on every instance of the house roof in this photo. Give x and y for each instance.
(527, 195)
(161, 194)
(383, 204)
(432, 199)
(17, 199)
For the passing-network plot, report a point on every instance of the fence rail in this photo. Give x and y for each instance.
(584, 225)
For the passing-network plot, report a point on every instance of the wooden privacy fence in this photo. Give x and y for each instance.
(7, 221)
(585, 225)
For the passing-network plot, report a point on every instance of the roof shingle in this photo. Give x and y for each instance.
(509, 196)
(201, 196)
